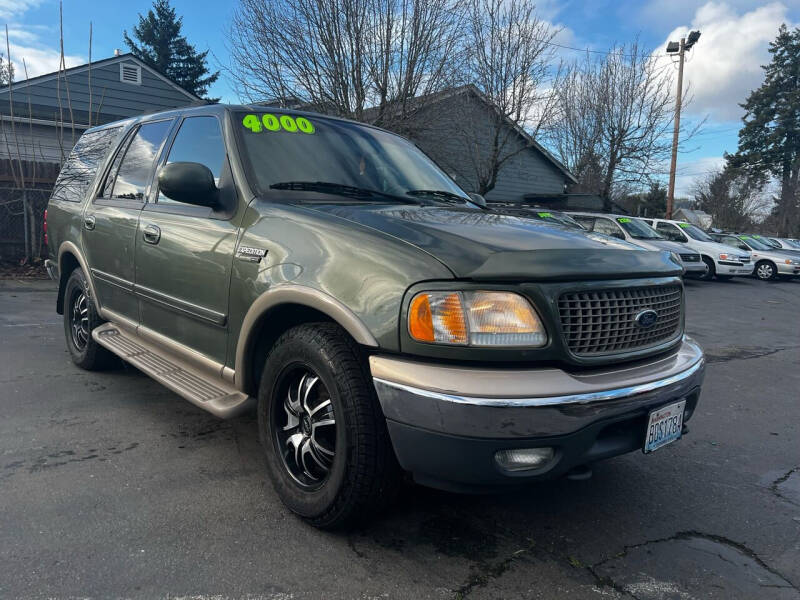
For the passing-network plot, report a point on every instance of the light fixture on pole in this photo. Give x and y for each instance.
(679, 48)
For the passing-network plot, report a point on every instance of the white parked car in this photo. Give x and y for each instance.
(640, 234)
(723, 262)
(770, 262)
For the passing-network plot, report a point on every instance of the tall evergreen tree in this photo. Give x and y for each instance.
(161, 45)
(769, 141)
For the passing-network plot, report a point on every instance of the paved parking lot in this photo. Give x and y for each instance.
(111, 486)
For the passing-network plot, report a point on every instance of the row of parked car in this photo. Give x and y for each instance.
(704, 255)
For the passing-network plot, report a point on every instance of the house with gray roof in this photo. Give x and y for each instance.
(41, 118)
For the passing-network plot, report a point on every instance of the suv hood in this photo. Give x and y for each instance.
(480, 245)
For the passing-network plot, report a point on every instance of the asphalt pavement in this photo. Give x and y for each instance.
(113, 487)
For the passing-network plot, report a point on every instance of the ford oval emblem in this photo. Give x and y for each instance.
(646, 318)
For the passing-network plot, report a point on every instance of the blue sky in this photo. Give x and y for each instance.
(722, 68)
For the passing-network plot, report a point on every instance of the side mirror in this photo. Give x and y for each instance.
(619, 235)
(478, 199)
(188, 182)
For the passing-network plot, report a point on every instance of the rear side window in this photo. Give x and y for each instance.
(78, 172)
(136, 169)
(607, 227)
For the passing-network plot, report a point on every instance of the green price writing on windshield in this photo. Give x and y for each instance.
(270, 122)
(684, 225)
(624, 220)
(545, 215)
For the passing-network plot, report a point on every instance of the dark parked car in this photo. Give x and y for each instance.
(329, 274)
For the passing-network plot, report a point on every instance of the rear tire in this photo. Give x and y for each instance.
(712, 270)
(765, 270)
(80, 319)
(327, 448)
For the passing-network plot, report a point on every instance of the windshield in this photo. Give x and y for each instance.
(291, 152)
(558, 217)
(694, 232)
(638, 230)
(755, 244)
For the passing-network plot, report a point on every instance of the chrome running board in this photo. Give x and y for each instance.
(209, 392)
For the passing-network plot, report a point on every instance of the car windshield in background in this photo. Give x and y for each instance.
(694, 232)
(755, 243)
(557, 217)
(638, 230)
(309, 153)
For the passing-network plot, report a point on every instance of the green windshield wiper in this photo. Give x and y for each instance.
(338, 189)
(441, 195)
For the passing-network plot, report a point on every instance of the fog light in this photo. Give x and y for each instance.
(523, 459)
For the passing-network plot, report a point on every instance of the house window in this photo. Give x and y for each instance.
(129, 73)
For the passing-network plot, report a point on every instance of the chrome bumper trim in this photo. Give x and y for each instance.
(613, 394)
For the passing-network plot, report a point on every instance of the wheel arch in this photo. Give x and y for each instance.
(69, 259)
(276, 311)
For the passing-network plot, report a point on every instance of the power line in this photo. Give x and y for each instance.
(605, 52)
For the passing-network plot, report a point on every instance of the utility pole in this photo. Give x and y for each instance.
(679, 48)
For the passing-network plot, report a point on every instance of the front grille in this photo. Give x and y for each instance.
(604, 321)
(690, 257)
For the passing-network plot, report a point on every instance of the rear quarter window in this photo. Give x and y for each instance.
(81, 167)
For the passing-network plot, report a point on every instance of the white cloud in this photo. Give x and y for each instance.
(14, 8)
(38, 60)
(26, 43)
(725, 65)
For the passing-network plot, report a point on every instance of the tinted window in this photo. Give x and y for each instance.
(78, 172)
(671, 232)
(607, 227)
(198, 140)
(136, 168)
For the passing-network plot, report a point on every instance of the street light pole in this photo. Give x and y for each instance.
(674, 161)
(680, 49)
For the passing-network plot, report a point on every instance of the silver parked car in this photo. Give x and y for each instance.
(641, 234)
(770, 262)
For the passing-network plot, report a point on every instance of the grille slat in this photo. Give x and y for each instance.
(603, 321)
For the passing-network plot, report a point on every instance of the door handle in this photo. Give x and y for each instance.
(88, 222)
(151, 234)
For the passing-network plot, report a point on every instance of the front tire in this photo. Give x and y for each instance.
(327, 449)
(765, 270)
(80, 318)
(710, 272)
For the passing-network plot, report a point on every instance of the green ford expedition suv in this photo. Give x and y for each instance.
(330, 275)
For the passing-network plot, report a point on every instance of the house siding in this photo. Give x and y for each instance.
(39, 143)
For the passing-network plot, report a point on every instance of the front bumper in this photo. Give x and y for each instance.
(725, 267)
(784, 269)
(694, 268)
(446, 423)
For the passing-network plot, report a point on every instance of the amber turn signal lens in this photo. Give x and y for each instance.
(437, 317)
(420, 320)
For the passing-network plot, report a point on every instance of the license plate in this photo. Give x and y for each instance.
(664, 426)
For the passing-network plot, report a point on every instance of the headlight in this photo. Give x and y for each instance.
(725, 256)
(676, 258)
(475, 319)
